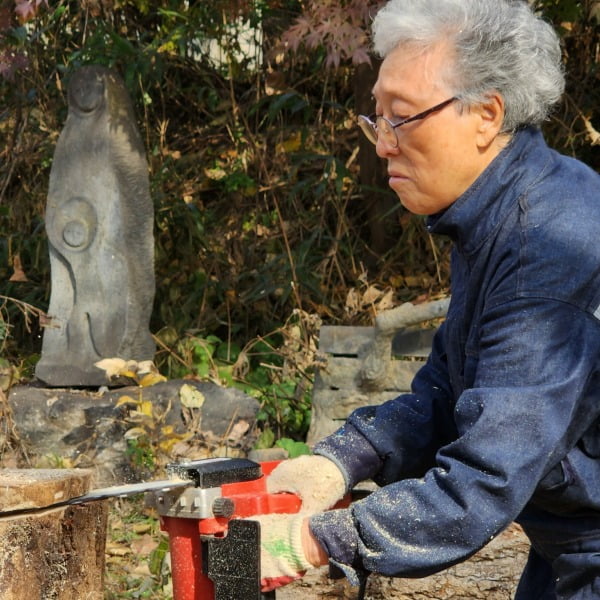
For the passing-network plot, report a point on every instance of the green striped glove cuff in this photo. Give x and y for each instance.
(281, 555)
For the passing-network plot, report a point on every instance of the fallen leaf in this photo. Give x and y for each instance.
(144, 545)
(134, 433)
(111, 366)
(145, 407)
(353, 300)
(387, 302)
(190, 396)
(215, 174)
(593, 134)
(115, 549)
(371, 295)
(125, 400)
(151, 379)
(18, 272)
(238, 431)
(143, 527)
(291, 144)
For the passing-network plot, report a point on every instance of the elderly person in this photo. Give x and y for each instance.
(503, 421)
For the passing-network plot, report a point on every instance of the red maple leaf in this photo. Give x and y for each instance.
(27, 9)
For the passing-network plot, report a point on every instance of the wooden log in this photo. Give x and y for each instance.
(56, 554)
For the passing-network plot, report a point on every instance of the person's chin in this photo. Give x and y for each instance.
(408, 200)
(415, 209)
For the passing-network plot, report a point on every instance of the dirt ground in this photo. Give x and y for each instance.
(492, 574)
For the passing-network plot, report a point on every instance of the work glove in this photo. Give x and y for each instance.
(315, 479)
(282, 558)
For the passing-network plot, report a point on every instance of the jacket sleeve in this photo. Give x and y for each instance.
(534, 394)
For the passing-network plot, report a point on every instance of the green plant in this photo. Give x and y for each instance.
(285, 409)
(293, 447)
(207, 358)
(135, 550)
(140, 452)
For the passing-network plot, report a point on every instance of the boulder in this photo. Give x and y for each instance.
(90, 428)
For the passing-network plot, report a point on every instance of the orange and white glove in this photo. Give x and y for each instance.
(282, 558)
(315, 479)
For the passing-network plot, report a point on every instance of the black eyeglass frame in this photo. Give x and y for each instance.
(369, 124)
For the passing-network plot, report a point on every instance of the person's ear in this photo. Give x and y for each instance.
(491, 118)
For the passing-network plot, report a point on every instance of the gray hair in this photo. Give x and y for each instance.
(500, 45)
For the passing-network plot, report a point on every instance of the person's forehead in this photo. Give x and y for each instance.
(408, 74)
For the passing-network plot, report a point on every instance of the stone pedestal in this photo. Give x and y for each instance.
(54, 555)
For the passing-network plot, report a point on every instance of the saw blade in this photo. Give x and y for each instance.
(121, 491)
(115, 491)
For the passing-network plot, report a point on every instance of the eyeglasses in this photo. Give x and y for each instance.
(375, 125)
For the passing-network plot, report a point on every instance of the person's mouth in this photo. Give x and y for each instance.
(396, 176)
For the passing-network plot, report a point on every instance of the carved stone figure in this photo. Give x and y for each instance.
(99, 221)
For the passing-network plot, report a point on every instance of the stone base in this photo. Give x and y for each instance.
(338, 391)
(61, 375)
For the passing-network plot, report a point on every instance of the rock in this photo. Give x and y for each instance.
(268, 454)
(340, 386)
(90, 427)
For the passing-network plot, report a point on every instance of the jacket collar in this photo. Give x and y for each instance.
(475, 215)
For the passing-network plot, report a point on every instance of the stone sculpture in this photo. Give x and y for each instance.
(99, 221)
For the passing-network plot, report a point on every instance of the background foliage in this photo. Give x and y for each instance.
(270, 215)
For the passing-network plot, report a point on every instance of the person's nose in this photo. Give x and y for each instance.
(384, 149)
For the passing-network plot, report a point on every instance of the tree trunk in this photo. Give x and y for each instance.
(373, 171)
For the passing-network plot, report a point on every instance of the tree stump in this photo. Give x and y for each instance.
(56, 554)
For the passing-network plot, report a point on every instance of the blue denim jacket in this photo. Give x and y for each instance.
(505, 414)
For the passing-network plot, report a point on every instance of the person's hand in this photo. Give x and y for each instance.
(313, 551)
(282, 556)
(315, 479)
